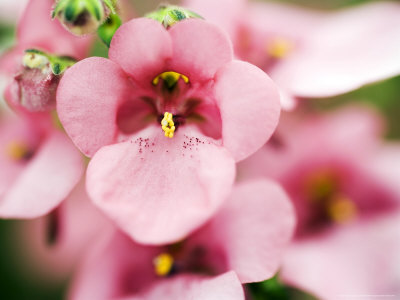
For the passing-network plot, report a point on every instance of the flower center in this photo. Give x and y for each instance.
(168, 125)
(18, 151)
(163, 264)
(324, 194)
(279, 48)
(170, 79)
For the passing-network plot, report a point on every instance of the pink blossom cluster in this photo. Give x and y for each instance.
(188, 163)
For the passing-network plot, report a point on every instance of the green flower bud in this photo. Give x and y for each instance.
(35, 84)
(169, 15)
(83, 16)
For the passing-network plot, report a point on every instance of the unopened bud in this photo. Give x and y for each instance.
(83, 16)
(170, 15)
(34, 87)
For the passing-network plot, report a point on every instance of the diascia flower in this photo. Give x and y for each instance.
(338, 175)
(231, 246)
(311, 53)
(165, 119)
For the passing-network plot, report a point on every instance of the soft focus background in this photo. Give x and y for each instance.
(26, 273)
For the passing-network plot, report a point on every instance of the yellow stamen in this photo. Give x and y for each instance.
(35, 61)
(171, 78)
(279, 47)
(17, 150)
(341, 209)
(168, 125)
(163, 264)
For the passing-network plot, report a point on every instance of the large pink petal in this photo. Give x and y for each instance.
(200, 49)
(249, 106)
(184, 287)
(253, 227)
(158, 189)
(88, 98)
(141, 47)
(351, 48)
(362, 259)
(37, 29)
(45, 181)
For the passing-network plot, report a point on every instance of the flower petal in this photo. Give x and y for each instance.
(88, 98)
(352, 48)
(361, 258)
(46, 180)
(183, 287)
(200, 49)
(158, 189)
(254, 227)
(225, 13)
(249, 105)
(141, 47)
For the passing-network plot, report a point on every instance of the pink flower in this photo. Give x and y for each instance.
(39, 166)
(310, 53)
(336, 171)
(231, 243)
(160, 182)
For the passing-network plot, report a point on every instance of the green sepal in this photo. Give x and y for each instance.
(58, 64)
(108, 28)
(172, 14)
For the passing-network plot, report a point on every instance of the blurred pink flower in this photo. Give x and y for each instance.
(58, 241)
(231, 241)
(38, 88)
(335, 168)
(216, 110)
(311, 53)
(39, 166)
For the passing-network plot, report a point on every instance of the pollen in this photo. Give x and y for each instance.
(279, 48)
(168, 125)
(163, 264)
(17, 150)
(342, 209)
(35, 61)
(170, 78)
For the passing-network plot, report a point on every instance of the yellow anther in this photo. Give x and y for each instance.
(35, 61)
(279, 47)
(17, 150)
(163, 264)
(171, 78)
(341, 209)
(168, 125)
